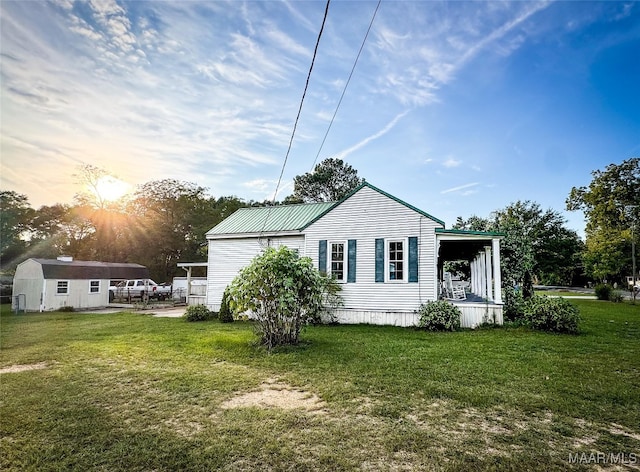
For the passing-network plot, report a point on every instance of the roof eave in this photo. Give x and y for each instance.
(266, 234)
(469, 233)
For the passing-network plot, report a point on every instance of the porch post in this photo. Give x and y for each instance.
(487, 258)
(474, 276)
(483, 276)
(497, 274)
(188, 284)
(478, 290)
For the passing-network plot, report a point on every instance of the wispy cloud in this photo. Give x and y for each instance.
(465, 187)
(368, 139)
(426, 58)
(451, 162)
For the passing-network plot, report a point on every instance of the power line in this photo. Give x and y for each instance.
(346, 84)
(295, 125)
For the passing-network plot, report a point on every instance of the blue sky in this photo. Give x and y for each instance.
(458, 108)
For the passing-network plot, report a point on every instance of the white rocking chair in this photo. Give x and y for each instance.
(453, 292)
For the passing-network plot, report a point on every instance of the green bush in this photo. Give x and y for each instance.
(66, 309)
(616, 296)
(552, 314)
(439, 315)
(283, 292)
(225, 314)
(197, 313)
(513, 304)
(603, 291)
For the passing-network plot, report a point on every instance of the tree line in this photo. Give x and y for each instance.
(164, 222)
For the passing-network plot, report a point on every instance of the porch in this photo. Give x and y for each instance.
(479, 253)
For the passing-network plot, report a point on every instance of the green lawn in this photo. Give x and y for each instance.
(132, 392)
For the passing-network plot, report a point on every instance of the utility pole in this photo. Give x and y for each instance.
(633, 259)
(630, 209)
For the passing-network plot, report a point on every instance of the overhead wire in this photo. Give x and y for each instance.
(295, 124)
(304, 93)
(344, 90)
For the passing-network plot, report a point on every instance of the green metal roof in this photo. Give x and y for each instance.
(278, 218)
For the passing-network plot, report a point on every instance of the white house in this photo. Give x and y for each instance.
(387, 254)
(50, 284)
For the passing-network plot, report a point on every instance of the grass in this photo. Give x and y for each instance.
(132, 392)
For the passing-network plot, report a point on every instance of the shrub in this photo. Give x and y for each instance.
(439, 315)
(66, 308)
(603, 291)
(513, 304)
(225, 314)
(616, 296)
(283, 292)
(197, 313)
(552, 314)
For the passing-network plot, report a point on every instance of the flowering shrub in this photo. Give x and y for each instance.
(439, 315)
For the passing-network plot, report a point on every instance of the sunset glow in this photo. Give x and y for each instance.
(109, 188)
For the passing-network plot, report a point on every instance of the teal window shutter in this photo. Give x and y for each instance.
(413, 259)
(322, 256)
(379, 260)
(351, 264)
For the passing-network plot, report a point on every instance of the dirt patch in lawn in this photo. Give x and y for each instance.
(274, 394)
(23, 367)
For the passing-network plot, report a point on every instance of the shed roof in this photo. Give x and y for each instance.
(272, 219)
(56, 269)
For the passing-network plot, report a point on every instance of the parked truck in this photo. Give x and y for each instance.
(139, 288)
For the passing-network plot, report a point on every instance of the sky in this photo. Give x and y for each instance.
(458, 108)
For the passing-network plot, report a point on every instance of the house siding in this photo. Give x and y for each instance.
(228, 256)
(366, 216)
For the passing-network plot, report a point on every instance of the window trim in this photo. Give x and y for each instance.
(91, 292)
(66, 292)
(345, 259)
(405, 260)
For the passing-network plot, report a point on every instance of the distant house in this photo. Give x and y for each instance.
(387, 254)
(50, 284)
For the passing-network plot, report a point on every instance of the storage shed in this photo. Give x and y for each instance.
(50, 284)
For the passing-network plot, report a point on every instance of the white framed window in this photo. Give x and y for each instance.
(94, 286)
(397, 268)
(62, 287)
(338, 260)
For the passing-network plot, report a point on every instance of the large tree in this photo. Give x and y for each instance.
(15, 223)
(330, 181)
(611, 205)
(536, 247)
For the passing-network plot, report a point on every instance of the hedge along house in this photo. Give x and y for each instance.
(50, 284)
(387, 254)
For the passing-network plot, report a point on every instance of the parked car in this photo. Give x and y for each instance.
(139, 288)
